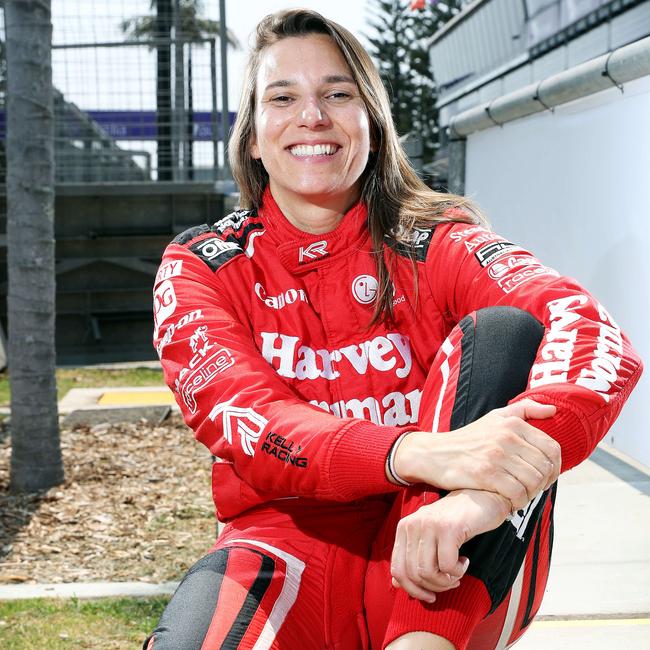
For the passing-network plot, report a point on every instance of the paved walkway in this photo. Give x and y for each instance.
(599, 590)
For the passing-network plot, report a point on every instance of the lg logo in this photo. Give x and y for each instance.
(364, 289)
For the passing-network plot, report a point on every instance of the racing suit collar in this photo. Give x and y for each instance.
(300, 251)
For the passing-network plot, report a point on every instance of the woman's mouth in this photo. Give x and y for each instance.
(305, 150)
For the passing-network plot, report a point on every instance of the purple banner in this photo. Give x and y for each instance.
(141, 125)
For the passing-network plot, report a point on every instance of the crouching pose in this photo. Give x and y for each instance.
(390, 389)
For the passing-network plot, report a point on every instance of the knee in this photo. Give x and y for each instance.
(187, 617)
(505, 338)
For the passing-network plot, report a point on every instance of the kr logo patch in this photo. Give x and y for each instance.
(313, 251)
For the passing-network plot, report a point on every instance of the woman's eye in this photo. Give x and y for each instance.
(339, 95)
(281, 99)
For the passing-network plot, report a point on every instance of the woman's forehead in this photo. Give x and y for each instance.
(297, 58)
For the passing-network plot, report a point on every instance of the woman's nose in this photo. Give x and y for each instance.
(312, 113)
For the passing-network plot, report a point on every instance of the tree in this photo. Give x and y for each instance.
(191, 27)
(35, 447)
(399, 46)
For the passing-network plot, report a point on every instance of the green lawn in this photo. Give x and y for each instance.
(67, 378)
(115, 623)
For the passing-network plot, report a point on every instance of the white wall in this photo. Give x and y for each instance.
(573, 186)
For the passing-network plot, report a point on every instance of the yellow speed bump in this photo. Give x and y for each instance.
(130, 397)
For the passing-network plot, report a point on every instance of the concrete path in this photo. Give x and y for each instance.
(86, 590)
(598, 596)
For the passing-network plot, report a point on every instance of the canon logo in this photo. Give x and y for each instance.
(285, 298)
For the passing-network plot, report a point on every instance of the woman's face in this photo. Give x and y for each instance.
(311, 126)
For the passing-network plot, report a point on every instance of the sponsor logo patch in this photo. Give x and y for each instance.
(364, 289)
(521, 519)
(313, 252)
(205, 364)
(394, 409)
(415, 243)
(493, 251)
(164, 299)
(608, 354)
(284, 450)
(476, 235)
(233, 221)
(524, 272)
(556, 351)
(169, 270)
(244, 422)
(390, 353)
(174, 327)
(192, 381)
(283, 299)
(215, 252)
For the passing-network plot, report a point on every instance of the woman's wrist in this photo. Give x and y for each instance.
(414, 457)
(391, 471)
(499, 504)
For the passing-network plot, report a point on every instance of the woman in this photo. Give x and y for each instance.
(315, 340)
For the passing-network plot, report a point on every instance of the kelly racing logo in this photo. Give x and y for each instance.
(284, 450)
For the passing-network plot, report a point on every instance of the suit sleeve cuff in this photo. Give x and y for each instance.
(357, 462)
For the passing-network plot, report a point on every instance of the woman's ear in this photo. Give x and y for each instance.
(254, 149)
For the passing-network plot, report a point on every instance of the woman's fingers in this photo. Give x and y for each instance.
(414, 564)
(528, 409)
(421, 543)
(499, 452)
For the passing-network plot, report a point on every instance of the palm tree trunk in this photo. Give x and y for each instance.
(35, 448)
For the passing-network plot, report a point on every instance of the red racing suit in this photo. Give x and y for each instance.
(264, 338)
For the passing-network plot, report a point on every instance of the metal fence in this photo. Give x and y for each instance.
(137, 95)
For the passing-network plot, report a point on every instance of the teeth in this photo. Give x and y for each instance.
(315, 150)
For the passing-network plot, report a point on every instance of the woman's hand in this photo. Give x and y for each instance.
(425, 555)
(499, 452)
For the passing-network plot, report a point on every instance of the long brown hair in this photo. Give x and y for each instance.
(398, 200)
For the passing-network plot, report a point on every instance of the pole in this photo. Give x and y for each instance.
(225, 115)
(178, 131)
(213, 89)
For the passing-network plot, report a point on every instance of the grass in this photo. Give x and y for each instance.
(58, 624)
(67, 378)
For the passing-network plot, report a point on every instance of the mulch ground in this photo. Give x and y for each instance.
(136, 505)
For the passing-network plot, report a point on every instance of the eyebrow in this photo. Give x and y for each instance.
(329, 79)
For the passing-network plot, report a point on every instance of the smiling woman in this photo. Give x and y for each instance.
(311, 131)
(320, 338)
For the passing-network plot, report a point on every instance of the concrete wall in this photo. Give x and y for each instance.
(573, 186)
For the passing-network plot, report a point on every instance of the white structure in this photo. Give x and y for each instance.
(566, 172)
